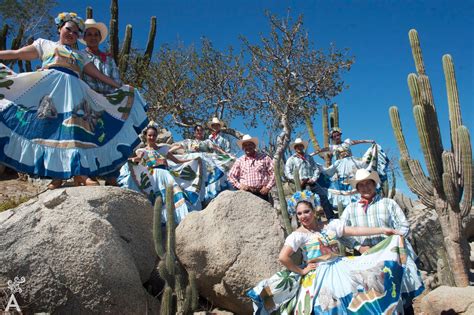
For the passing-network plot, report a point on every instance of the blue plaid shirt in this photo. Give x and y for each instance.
(307, 167)
(107, 67)
(381, 212)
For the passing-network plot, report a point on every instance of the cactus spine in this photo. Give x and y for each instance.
(448, 188)
(180, 294)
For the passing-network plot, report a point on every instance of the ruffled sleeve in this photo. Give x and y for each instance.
(295, 240)
(336, 226)
(38, 44)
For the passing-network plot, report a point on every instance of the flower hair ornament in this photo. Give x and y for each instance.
(298, 196)
(70, 17)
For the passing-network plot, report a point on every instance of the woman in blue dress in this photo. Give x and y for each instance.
(53, 124)
(327, 283)
(345, 166)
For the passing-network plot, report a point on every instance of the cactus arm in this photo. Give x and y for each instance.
(312, 136)
(166, 307)
(409, 178)
(398, 132)
(432, 162)
(325, 125)
(449, 167)
(335, 114)
(151, 40)
(89, 13)
(125, 52)
(113, 29)
(453, 105)
(157, 236)
(450, 190)
(416, 51)
(466, 169)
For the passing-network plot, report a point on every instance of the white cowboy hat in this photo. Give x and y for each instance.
(247, 138)
(91, 23)
(215, 121)
(299, 141)
(364, 174)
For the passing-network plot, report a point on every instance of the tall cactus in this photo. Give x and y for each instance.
(122, 56)
(180, 294)
(448, 188)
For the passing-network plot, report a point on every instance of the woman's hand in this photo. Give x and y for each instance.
(308, 268)
(389, 231)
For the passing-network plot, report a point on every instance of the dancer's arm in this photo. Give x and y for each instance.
(25, 53)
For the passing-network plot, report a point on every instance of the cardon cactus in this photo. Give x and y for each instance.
(281, 197)
(448, 188)
(180, 293)
(122, 57)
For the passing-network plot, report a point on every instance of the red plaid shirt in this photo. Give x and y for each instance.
(255, 172)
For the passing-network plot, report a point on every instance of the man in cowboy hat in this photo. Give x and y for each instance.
(216, 125)
(252, 172)
(309, 172)
(372, 210)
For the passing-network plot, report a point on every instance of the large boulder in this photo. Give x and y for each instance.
(449, 300)
(81, 250)
(231, 245)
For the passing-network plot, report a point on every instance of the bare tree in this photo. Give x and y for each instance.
(187, 87)
(288, 76)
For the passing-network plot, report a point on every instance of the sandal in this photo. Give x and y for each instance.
(55, 183)
(91, 182)
(111, 182)
(79, 180)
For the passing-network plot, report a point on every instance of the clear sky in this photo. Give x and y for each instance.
(375, 31)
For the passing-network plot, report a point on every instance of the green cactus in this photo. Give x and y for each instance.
(122, 56)
(325, 125)
(335, 116)
(448, 187)
(281, 196)
(180, 295)
(312, 136)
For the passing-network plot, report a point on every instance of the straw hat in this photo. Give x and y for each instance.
(215, 121)
(91, 23)
(364, 174)
(247, 138)
(299, 141)
(335, 129)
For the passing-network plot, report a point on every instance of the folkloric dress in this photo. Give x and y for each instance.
(209, 170)
(53, 124)
(151, 177)
(373, 283)
(345, 167)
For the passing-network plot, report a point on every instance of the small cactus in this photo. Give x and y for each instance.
(180, 294)
(282, 199)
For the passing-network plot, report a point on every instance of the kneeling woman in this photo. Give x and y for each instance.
(327, 283)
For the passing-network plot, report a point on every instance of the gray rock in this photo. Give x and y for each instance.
(231, 245)
(81, 250)
(449, 300)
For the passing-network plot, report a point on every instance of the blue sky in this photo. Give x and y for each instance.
(376, 32)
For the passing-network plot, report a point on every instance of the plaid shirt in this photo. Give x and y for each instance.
(105, 64)
(381, 212)
(307, 167)
(254, 172)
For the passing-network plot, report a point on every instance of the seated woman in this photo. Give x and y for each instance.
(345, 166)
(148, 173)
(214, 164)
(53, 124)
(327, 283)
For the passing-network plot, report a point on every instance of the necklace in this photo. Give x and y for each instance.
(315, 230)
